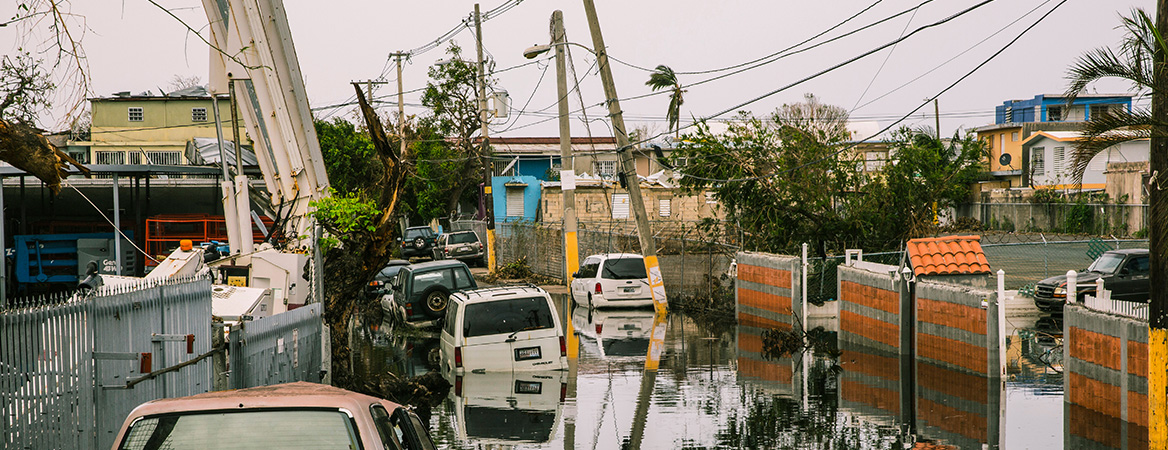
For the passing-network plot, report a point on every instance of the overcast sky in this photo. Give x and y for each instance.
(136, 46)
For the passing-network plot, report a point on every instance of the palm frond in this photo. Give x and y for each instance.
(1105, 131)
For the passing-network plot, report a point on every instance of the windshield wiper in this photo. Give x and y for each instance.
(511, 337)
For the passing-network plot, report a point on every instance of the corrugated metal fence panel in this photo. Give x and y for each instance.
(45, 400)
(278, 349)
(149, 318)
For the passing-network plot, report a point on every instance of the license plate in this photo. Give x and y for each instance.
(463, 249)
(528, 387)
(629, 289)
(524, 354)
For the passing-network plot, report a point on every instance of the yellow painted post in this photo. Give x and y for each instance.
(656, 285)
(1157, 387)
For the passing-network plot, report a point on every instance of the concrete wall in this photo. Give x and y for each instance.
(594, 204)
(954, 331)
(1106, 379)
(766, 290)
(870, 313)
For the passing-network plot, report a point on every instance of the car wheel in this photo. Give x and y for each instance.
(436, 299)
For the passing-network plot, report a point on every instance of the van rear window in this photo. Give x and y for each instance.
(624, 269)
(506, 316)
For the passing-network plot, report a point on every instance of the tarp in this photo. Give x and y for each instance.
(205, 151)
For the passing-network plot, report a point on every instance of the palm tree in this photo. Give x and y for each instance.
(663, 77)
(1133, 63)
(1142, 61)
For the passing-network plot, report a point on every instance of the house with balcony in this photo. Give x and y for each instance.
(1015, 121)
(154, 129)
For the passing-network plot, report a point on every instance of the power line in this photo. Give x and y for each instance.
(904, 117)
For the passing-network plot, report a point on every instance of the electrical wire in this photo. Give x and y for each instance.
(107, 219)
(906, 116)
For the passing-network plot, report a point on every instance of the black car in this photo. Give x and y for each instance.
(418, 241)
(380, 283)
(422, 291)
(1124, 273)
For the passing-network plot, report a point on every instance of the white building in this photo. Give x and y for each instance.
(1048, 160)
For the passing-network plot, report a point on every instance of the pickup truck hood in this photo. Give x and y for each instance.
(1082, 279)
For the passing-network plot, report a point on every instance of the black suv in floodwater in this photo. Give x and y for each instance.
(418, 241)
(1124, 273)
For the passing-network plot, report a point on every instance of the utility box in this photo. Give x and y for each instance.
(102, 252)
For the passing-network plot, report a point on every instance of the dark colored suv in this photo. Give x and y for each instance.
(418, 241)
(1124, 273)
(422, 291)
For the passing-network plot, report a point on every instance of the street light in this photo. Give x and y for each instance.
(567, 169)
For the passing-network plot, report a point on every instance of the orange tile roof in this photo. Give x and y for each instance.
(948, 255)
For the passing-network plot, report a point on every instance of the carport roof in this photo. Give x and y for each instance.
(948, 255)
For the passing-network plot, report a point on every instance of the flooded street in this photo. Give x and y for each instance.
(712, 388)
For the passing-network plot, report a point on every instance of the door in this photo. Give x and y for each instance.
(587, 278)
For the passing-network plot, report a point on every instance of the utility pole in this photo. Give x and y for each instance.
(488, 199)
(567, 165)
(401, 106)
(937, 116)
(1158, 245)
(628, 165)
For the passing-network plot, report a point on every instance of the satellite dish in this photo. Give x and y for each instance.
(1004, 159)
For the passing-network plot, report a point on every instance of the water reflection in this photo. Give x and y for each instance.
(710, 387)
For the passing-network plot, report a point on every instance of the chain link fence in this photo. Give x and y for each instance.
(1027, 263)
(694, 257)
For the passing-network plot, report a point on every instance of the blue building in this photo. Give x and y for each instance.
(516, 198)
(1054, 108)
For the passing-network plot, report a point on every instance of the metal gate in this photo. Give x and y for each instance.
(279, 349)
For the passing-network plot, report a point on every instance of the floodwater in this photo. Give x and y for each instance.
(712, 388)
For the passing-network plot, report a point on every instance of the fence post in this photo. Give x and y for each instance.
(1001, 319)
(1072, 286)
(803, 286)
(219, 361)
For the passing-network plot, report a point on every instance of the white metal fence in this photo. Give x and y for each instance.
(279, 349)
(1104, 303)
(73, 367)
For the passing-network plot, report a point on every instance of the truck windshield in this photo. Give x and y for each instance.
(315, 429)
(1106, 263)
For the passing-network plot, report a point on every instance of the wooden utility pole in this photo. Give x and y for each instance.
(567, 167)
(488, 198)
(401, 106)
(628, 165)
(937, 117)
(1158, 245)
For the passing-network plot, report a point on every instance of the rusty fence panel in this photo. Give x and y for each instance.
(282, 348)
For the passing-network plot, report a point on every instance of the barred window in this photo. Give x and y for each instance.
(198, 114)
(605, 168)
(136, 114)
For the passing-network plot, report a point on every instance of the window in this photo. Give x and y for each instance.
(589, 268)
(515, 202)
(1038, 160)
(298, 429)
(1138, 266)
(164, 157)
(1054, 113)
(1098, 111)
(1009, 114)
(462, 279)
(710, 199)
(680, 162)
(1014, 137)
(624, 269)
(1002, 140)
(620, 206)
(506, 316)
(462, 238)
(990, 142)
(389, 438)
(663, 207)
(135, 114)
(606, 168)
(1059, 159)
(198, 114)
(110, 157)
(423, 281)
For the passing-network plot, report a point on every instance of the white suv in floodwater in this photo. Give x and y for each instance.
(612, 279)
(502, 329)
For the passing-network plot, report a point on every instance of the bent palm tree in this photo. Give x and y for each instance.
(1133, 63)
(663, 77)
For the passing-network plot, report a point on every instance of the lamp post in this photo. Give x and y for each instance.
(567, 166)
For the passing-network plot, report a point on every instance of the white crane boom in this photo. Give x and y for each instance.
(253, 48)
